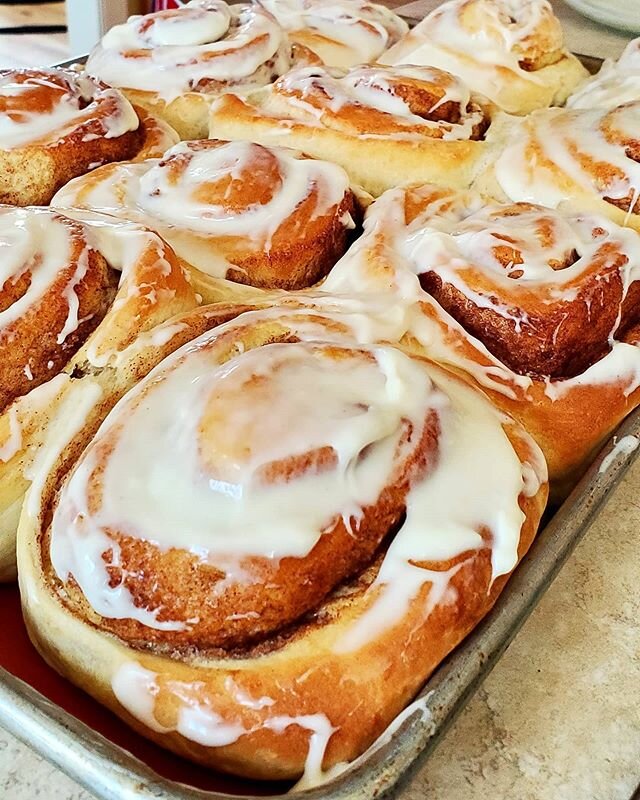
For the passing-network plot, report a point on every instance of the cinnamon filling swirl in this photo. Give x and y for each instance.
(385, 101)
(265, 522)
(262, 216)
(41, 107)
(547, 293)
(343, 33)
(55, 288)
(202, 46)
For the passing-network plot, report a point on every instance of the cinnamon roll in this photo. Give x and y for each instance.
(616, 83)
(75, 292)
(511, 51)
(537, 306)
(342, 33)
(56, 124)
(173, 62)
(260, 581)
(582, 158)
(267, 217)
(384, 125)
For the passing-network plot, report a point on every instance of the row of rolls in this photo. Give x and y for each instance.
(302, 315)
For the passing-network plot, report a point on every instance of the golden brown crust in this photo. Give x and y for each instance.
(290, 247)
(99, 133)
(543, 347)
(512, 53)
(376, 150)
(586, 159)
(30, 347)
(152, 288)
(187, 114)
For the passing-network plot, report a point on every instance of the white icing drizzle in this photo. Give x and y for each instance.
(567, 138)
(136, 689)
(480, 41)
(69, 294)
(616, 83)
(311, 779)
(76, 103)
(454, 235)
(621, 447)
(437, 528)
(323, 95)
(364, 405)
(172, 52)
(464, 239)
(364, 29)
(38, 242)
(180, 208)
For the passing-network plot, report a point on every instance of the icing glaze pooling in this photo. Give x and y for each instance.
(184, 194)
(622, 447)
(203, 43)
(366, 29)
(219, 506)
(437, 528)
(44, 106)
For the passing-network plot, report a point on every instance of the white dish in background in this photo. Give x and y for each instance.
(622, 14)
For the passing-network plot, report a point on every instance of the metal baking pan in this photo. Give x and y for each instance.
(102, 754)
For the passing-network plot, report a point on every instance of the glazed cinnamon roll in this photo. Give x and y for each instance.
(56, 125)
(319, 564)
(537, 306)
(266, 217)
(74, 293)
(616, 83)
(173, 62)
(384, 125)
(342, 33)
(582, 158)
(511, 51)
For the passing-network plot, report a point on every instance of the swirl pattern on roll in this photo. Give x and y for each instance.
(43, 106)
(343, 32)
(536, 305)
(56, 124)
(403, 102)
(204, 46)
(211, 532)
(616, 83)
(257, 215)
(512, 52)
(586, 158)
(55, 287)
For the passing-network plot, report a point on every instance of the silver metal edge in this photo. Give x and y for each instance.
(112, 773)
